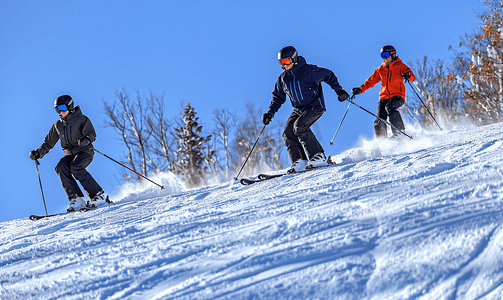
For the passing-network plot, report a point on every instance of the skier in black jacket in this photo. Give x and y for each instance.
(302, 83)
(76, 134)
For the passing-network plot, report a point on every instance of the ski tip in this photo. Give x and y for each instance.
(36, 217)
(245, 181)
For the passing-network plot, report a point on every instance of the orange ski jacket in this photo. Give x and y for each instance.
(391, 79)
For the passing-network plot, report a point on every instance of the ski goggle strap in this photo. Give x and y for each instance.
(62, 107)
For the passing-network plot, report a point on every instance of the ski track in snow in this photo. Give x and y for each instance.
(416, 219)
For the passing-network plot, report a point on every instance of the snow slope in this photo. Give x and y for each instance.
(419, 219)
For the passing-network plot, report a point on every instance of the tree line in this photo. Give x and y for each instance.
(155, 142)
(471, 87)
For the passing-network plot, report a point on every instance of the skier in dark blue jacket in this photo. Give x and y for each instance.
(302, 83)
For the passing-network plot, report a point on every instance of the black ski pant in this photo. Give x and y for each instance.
(300, 141)
(72, 168)
(388, 109)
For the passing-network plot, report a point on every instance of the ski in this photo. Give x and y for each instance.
(38, 217)
(264, 177)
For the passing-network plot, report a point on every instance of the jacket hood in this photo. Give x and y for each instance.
(393, 62)
(300, 64)
(72, 115)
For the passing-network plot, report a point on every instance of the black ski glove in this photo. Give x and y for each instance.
(84, 141)
(356, 91)
(266, 118)
(342, 95)
(406, 76)
(34, 155)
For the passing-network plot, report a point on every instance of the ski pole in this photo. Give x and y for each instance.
(40, 181)
(410, 137)
(246, 160)
(161, 186)
(332, 141)
(424, 104)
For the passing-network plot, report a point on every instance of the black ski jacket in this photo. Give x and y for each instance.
(68, 131)
(302, 84)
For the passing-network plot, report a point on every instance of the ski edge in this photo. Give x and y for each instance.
(245, 181)
(263, 177)
(38, 217)
(267, 177)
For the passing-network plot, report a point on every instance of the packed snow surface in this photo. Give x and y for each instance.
(416, 219)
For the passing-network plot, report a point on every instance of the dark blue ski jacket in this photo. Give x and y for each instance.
(302, 84)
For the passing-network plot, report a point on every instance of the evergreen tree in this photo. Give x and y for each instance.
(191, 160)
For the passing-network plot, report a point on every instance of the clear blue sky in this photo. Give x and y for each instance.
(213, 54)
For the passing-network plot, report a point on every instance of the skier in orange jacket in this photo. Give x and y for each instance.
(391, 74)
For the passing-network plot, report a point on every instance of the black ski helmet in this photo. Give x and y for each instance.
(288, 52)
(64, 100)
(391, 50)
